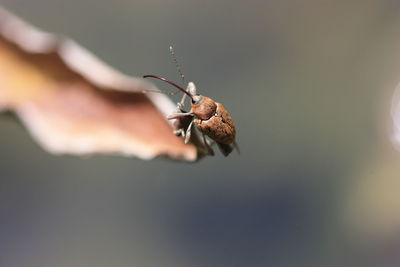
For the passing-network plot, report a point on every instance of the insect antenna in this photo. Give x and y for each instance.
(171, 83)
(159, 91)
(178, 67)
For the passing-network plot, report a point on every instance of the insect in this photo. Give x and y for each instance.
(207, 115)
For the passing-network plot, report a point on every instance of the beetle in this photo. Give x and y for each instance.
(208, 116)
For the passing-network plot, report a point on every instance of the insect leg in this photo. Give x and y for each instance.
(225, 149)
(179, 132)
(236, 146)
(210, 151)
(178, 115)
(188, 132)
(182, 103)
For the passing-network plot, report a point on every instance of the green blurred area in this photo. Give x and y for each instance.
(309, 85)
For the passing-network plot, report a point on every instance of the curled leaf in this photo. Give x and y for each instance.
(73, 103)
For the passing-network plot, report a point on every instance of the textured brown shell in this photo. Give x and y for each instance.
(219, 127)
(206, 109)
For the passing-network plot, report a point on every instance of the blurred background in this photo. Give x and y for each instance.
(309, 85)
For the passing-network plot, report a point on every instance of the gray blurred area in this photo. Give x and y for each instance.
(309, 85)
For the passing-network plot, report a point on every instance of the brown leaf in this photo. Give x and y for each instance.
(71, 102)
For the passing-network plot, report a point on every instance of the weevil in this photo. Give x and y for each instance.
(207, 115)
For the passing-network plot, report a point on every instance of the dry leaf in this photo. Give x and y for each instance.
(71, 102)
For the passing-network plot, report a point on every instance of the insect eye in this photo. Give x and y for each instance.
(197, 99)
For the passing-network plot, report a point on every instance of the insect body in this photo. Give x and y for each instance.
(208, 116)
(213, 120)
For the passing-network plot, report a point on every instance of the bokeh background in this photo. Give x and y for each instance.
(309, 85)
